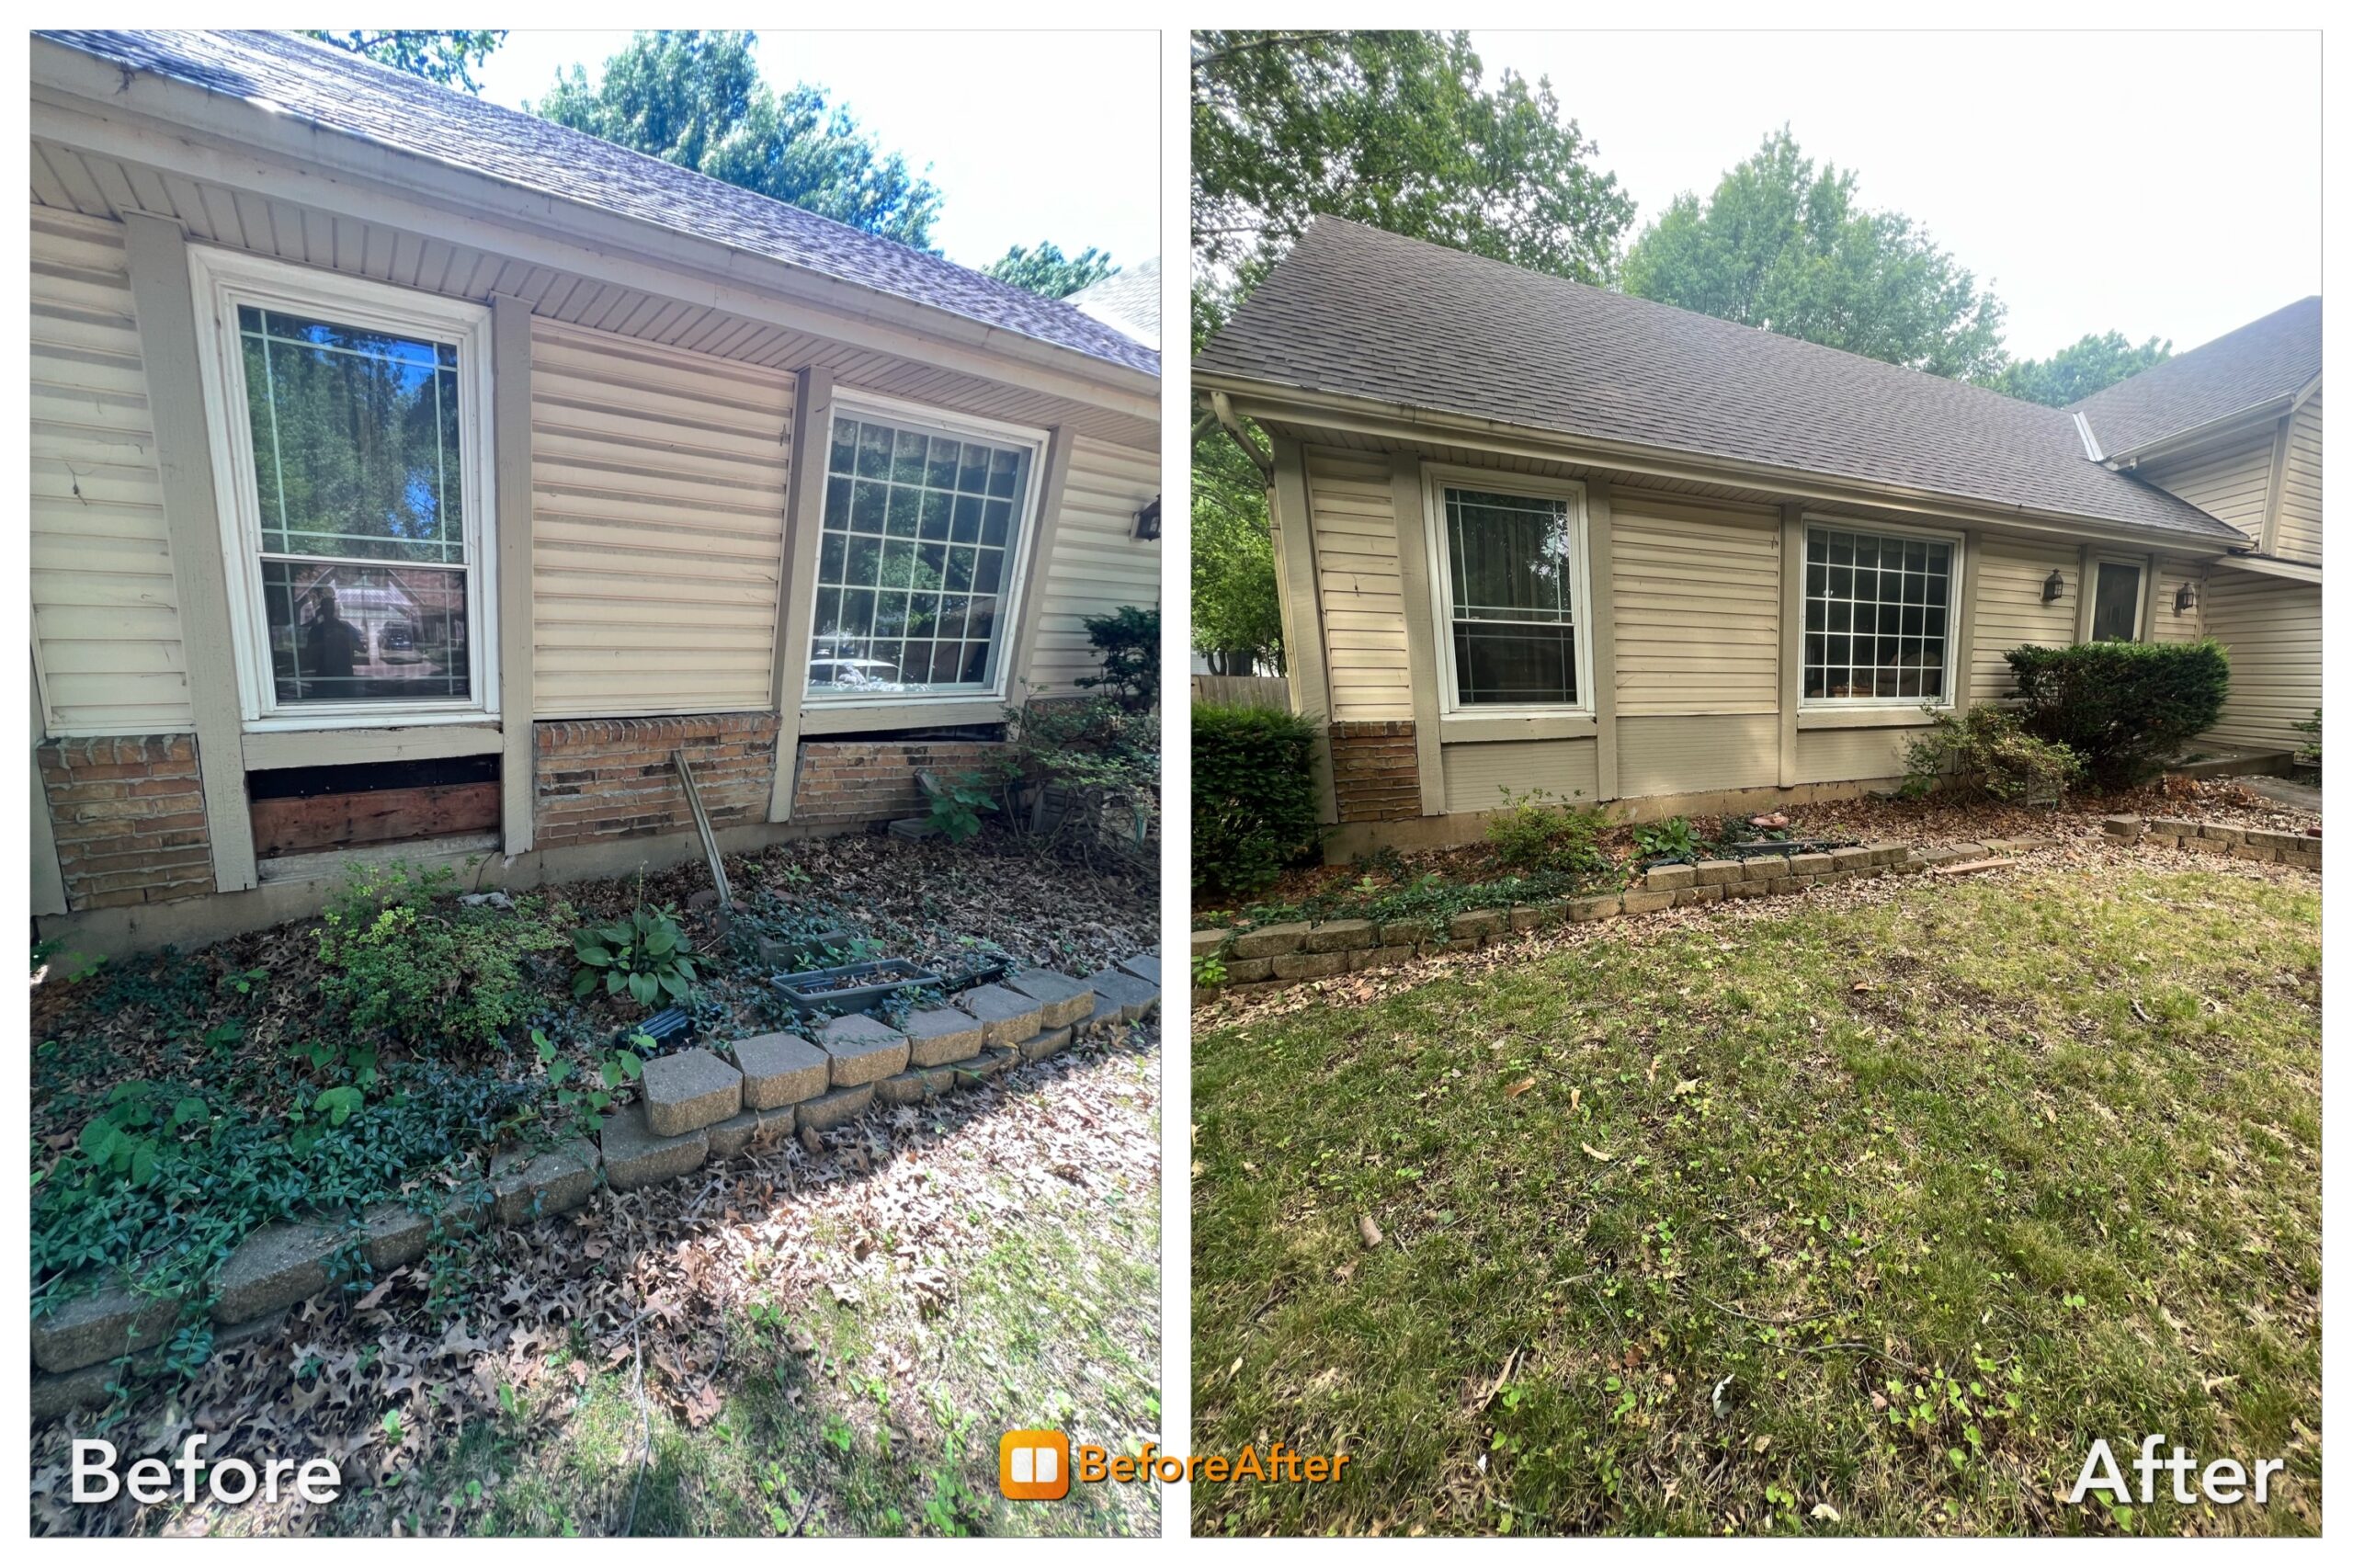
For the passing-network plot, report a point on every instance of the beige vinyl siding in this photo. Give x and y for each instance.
(657, 526)
(1355, 518)
(2233, 481)
(2300, 494)
(1836, 756)
(1697, 608)
(1680, 756)
(1478, 773)
(2271, 629)
(1097, 563)
(105, 609)
(2007, 578)
(2167, 624)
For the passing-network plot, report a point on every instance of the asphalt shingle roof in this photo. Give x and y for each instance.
(2262, 360)
(1128, 300)
(1361, 312)
(342, 92)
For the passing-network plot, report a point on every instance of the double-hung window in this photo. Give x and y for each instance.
(1508, 567)
(351, 437)
(924, 532)
(1879, 617)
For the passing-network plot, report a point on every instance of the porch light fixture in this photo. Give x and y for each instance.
(2052, 586)
(2185, 598)
(1148, 520)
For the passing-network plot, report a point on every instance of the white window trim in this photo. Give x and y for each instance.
(2147, 567)
(1954, 599)
(1436, 477)
(1006, 641)
(222, 280)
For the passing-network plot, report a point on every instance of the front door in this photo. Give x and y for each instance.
(2116, 602)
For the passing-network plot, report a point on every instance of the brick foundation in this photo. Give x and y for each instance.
(595, 778)
(848, 783)
(1376, 771)
(128, 813)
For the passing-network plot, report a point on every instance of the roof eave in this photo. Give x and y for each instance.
(1696, 467)
(2255, 413)
(85, 100)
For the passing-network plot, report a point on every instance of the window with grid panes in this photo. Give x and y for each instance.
(1877, 618)
(916, 560)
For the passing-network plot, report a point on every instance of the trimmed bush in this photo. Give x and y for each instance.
(1254, 795)
(1988, 748)
(1532, 832)
(2125, 709)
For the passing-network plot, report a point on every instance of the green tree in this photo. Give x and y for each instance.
(1782, 244)
(2092, 363)
(447, 58)
(696, 99)
(1238, 620)
(1043, 269)
(1398, 129)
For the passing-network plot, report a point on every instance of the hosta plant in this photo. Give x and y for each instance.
(644, 955)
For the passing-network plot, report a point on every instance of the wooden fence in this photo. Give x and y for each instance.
(1247, 691)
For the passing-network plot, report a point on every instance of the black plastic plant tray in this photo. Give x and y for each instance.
(849, 987)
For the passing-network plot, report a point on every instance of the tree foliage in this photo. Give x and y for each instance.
(447, 58)
(1397, 130)
(1043, 269)
(697, 99)
(1782, 245)
(2092, 363)
(1238, 620)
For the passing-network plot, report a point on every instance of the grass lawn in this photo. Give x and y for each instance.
(1808, 1218)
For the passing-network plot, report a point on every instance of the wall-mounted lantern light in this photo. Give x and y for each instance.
(1148, 520)
(2185, 599)
(2052, 586)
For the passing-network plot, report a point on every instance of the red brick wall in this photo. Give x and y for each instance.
(129, 816)
(612, 777)
(1376, 772)
(848, 783)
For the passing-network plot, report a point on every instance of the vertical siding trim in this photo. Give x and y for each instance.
(1310, 692)
(1964, 657)
(164, 298)
(2087, 590)
(1789, 644)
(1060, 440)
(1421, 658)
(813, 423)
(2276, 487)
(510, 480)
(47, 876)
(1601, 569)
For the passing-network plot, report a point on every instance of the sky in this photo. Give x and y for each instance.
(1030, 136)
(2083, 177)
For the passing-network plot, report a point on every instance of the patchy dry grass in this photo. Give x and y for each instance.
(1862, 1218)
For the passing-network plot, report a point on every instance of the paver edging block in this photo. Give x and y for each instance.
(1061, 1000)
(1208, 942)
(1342, 936)
(1135, 997)
(636, 1156)
(688, 1089)
(1670, 878)
(749, 1129)
(1144, 966)
(781, 1069)
(1310, 966)
(1045, 1044)
(1006, 1016)
(864, 1050)
(1271, 941)
(277, 1267)
(829, 1110)
(1406, 933)
(98, 1327)
(940, 1034)
(547, 1181)
(1583, 909)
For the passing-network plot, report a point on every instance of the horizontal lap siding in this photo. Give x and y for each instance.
(1097, 563)
(1350, 500)
(1685, 756)
(1836, 757)
(106, 609)
(2272, 630)
(1697, 609)
(1477, 774)
(2009, 578)
(2300, 496)
(658, 487)
(2232, 483)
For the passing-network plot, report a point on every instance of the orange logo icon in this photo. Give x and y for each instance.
(1033, 1466)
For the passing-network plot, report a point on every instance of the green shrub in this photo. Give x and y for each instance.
(1532, 832)
(2124, 708)
(1254, 795)
(1128, 641)
(1671, 838)
(1988, 748)
(644, 954)
(2309, 753)
(397, 954)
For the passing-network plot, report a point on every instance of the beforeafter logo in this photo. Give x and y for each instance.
(1035, 1465)
(231, 1480)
